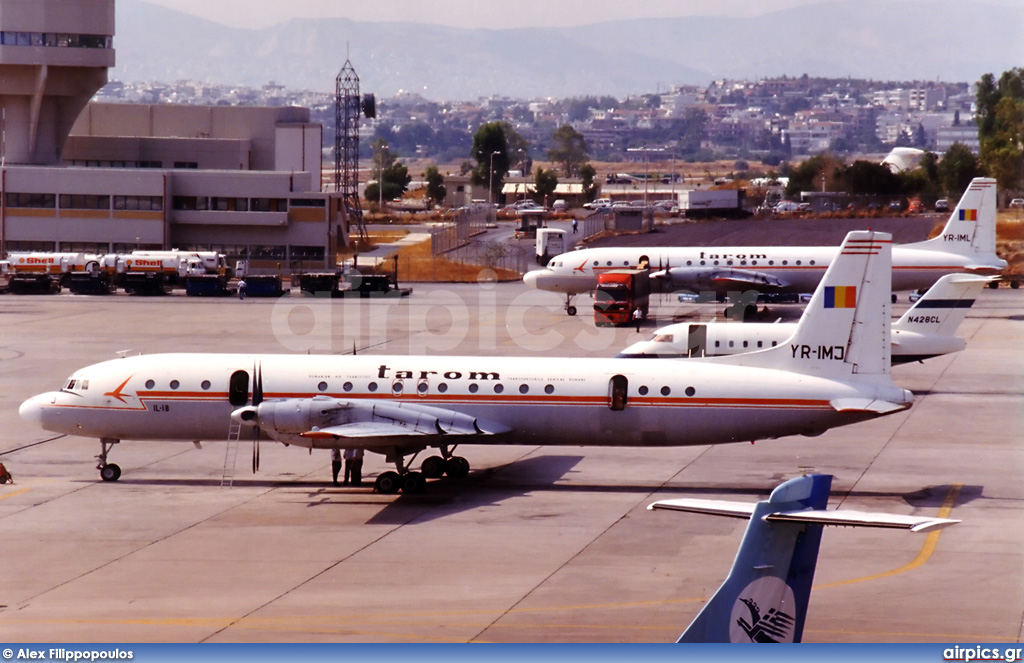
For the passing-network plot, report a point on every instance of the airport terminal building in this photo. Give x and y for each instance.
(80, 176)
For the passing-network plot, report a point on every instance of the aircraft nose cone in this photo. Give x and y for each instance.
(32, 410)
(530, 278)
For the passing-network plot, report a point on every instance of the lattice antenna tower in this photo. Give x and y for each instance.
(347, 109)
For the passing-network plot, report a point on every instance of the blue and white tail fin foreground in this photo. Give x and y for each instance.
(971, 229)
(765, 597)
(845, 329)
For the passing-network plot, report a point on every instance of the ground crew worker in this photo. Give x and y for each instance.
(354, 466)
(335, 464)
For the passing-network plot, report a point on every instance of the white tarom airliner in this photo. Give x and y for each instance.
(926, 330)
(832, 372)
(967, 244)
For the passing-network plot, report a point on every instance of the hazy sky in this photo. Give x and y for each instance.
(470, 13)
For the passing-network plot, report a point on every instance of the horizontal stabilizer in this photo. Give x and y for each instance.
(837, 517)
(875, 406)
(709, 507)
(845, 518)
(984, 268)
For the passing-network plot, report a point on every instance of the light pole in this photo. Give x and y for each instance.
(522, 169)
(490, 180)
(380, 178)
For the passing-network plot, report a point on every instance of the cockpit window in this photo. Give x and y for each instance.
(71, 385)
(662, 338)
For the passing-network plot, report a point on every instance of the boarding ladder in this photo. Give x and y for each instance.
(231, 454)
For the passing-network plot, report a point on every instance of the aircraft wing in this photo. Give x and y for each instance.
(697, 277)
(363, 429)
(745, 278)
(331, 418)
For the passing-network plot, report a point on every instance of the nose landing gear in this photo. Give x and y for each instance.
(108, 471)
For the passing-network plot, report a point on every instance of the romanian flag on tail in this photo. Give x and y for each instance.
(841, 296)
(968, 215)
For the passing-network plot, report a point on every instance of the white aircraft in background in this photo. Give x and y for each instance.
(765, 597)
(967, 244)
(926, 330)
(832, 372)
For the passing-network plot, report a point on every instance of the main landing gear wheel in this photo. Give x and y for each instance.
(410, 483)
(457, 467)
(388, 483)
(110, 472)
(413, 483)
(433, 467)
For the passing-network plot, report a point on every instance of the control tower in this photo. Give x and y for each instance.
(54, 56)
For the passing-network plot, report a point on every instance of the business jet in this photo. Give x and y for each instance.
(926, 330)
(765, 597)
(967, 244)
(834, 371)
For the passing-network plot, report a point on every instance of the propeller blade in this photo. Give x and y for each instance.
(257, 398)
(257, 386)
(256, 452)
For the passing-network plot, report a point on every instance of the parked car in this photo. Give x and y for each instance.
(600, 203)
(559, 205)
(1017, 202)
(915, 207)
(942, 205)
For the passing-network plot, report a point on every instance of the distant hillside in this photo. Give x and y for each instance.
(932, 39)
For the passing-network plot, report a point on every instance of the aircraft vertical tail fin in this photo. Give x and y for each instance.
(845, 329)
(971, 228)
(765, 597)
(940, 311)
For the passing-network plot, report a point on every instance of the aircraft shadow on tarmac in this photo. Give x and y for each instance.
(491, 486)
